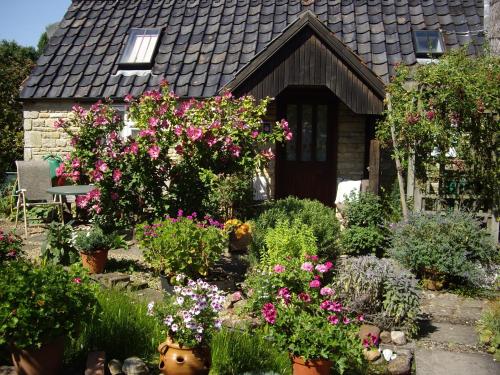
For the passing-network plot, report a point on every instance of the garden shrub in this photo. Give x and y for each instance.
(320, 218)
(182, 245)
(450, 246)
(488, 328)
(182, 154)
(364, 225)
(11, 246)
(288, 240)
(385, 293)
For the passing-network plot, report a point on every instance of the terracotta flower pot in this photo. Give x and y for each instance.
(95, 261)
(239, 244)
(44, 361)
(311, 367)
(176, 360)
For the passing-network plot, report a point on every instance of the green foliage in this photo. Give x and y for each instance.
(58, 247)
(450, 245)
(42, 303)
(488, 328)
(15, 65)
(235, 352)
(183, 245)
(288, 240)
(320, 218)
(87, 241)
(11, 246)
(362, 240)
(381, 290)
(7, 201)
(452, 104)
(41, 214)
(122, 329)
(364, 221)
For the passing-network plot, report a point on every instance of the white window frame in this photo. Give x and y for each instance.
(141, 47)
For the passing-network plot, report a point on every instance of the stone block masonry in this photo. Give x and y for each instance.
(40, 136)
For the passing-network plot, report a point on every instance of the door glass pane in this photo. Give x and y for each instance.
(291, 117)
(321, 133)
(306, 146)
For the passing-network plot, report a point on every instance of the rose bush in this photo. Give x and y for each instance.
(182, 153)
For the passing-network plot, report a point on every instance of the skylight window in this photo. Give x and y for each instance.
(141, 47)
(428, 43)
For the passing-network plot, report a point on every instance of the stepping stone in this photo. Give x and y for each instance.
(440, 362)
(149, 295)
(451, 333)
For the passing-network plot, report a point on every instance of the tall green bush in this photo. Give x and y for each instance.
(320, 218)
(450, 246)
(364, 232)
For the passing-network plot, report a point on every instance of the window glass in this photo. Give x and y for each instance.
(321, 133)
(428, 42)
(291, 146)
(141, 46)
(307, 141)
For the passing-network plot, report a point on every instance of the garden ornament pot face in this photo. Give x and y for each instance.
(95, 261)
(183, 361)
(311, 367)
(47, 360)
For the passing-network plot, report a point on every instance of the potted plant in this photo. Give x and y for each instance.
(94, 245)
(59, 247)
(306, 319)
(10, 246)
(240, 234)
(182, 245)
(39, 307)
(191, 316)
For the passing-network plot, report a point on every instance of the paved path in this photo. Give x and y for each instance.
(449, 342)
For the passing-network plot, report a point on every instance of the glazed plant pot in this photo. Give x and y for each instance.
(177, 360)
(310, 367)
(47, 360)
(95, 261)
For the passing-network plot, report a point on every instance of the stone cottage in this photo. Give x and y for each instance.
(326, 63)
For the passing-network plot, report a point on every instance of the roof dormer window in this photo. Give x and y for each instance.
(428, 43)
(141, 48)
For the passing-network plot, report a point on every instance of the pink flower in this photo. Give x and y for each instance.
(269, 313)
(59, 123)
(279, 268)
(211, 140)
(333, 319)
(97, 208)
(322, 268)
(304, 297)
(307, 266)
(101, 120)
(194, 133)
(284, 293)
(82, 201)
(154, 152)
(254, 134)
(268, 154)
(329, 265)
(147, 132)
(284, 124)
(114, 196)
(77, 280)
(288, 136)
(117, 175)
(179, 149)
(325, 305)
(60, 170)
(315, 284)
(235, 150)
(76, 163)
(134, 147)
(361, 318)
(101, 166)
(346, 320)
(325, 291)
(128, 98)
(178, 130)
(314, 258)
(75, 175)
(94, 194)
(153, 121)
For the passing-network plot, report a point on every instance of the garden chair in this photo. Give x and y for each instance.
(33, 182)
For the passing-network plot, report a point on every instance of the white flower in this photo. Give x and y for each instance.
(174, 327)
(180, 300)
(151, 306)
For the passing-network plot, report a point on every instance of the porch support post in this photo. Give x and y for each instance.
(374, 165)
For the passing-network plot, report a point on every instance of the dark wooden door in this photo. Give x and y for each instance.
(306, 166)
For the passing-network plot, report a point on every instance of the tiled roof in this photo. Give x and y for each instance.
(205, 43)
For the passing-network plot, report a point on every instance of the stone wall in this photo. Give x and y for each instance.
(351, 144)
(40, 136)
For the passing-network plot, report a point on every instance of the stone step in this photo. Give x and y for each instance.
(449, 333)
(440, 362)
